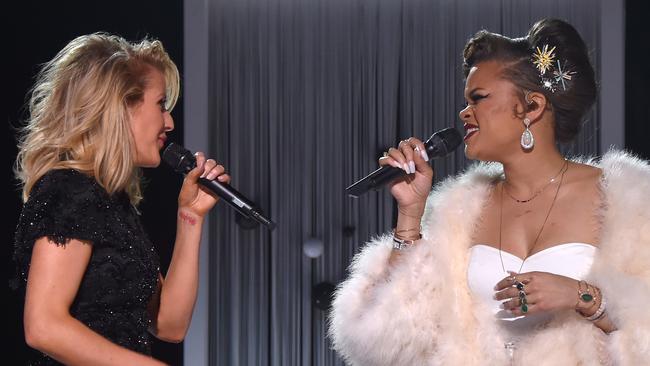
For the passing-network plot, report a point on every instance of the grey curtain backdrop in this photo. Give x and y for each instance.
(304, 96)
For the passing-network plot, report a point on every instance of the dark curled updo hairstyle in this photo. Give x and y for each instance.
(570, 105)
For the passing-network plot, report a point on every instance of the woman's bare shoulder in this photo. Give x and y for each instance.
(583, 180)
(584, 173)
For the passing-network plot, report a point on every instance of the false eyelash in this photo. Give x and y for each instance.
(476, 97)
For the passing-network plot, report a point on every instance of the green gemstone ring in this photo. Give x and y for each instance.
(586, 297)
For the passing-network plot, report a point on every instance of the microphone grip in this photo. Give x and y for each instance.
(375, 180)
(237, 201)
(439, 144)
(228, 194)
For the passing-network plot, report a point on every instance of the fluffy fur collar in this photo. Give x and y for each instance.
(419, 311)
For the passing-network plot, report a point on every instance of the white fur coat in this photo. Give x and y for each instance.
(419, 311)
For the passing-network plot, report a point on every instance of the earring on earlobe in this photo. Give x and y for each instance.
(527, 139)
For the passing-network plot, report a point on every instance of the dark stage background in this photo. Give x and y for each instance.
(35, 31)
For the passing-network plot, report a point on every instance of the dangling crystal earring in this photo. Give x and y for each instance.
(527, 139)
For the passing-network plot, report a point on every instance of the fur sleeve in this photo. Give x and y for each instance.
(411, 311)
(622, 268)
(627, 301)
(358, 325)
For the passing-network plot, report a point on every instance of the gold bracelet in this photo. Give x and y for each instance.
(418, 230)
(398, 236)
(400, 243)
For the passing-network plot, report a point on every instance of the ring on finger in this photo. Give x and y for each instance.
(523, 301)
(519, 285)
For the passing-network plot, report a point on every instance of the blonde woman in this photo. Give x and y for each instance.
(100, 111)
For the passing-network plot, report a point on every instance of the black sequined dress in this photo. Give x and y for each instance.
(122, 274)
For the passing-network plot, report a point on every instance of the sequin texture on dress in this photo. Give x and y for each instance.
(122, 273)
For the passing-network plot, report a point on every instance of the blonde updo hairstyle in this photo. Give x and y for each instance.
(79, 111)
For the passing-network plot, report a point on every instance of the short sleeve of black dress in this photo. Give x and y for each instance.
(122, 273)
(63, 205)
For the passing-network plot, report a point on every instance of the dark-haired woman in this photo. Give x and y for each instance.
(530, 259)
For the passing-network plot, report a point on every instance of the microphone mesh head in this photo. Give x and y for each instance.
(451, 138)
(178, 158)
(443, 142)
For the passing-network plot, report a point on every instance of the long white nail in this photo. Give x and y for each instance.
(412, 166)
(424, 155)
(406, 168)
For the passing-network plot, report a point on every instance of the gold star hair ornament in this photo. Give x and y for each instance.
(562, 76)
(543, 58)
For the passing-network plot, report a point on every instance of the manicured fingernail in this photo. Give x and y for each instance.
(412, 166)
(406, 168)
(424, 155)
(211, 176)
(502, 306)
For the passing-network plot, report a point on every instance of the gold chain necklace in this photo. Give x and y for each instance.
(566, 163)
(564, 170)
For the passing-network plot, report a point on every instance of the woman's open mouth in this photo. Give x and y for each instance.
(469, 131)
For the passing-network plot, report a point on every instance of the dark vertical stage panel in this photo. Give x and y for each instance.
(34, 32)
(637, 79)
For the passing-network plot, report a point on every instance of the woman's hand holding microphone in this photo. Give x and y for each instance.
(410, 192)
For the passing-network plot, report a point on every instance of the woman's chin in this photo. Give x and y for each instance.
(153, 162)
(470, 152)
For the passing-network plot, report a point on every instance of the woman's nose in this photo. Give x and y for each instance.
(169, 122)
(465, 113)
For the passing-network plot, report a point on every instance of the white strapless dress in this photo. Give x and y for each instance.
(484, 271)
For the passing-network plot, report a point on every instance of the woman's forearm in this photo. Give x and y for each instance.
(180, 286)
(69, 341)
(407, 227)
(605, 324)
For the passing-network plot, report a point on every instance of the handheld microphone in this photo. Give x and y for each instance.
(439, 144)
(182, 161)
